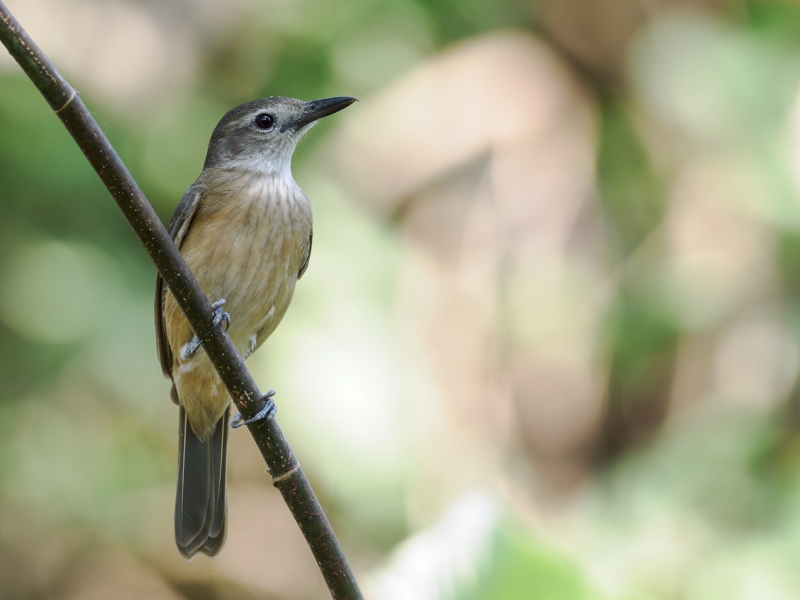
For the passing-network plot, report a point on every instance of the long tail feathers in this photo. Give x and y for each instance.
(201, 501)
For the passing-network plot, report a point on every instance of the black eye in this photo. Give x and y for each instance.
(264, 121)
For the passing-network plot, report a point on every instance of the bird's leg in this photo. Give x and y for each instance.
(265, 413)
(190, 349)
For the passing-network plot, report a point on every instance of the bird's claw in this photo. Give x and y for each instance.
(190, 349)
(265, 413)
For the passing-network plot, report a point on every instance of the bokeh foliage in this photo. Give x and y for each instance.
(678, 494)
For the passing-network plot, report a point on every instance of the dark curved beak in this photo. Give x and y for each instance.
(316, 109)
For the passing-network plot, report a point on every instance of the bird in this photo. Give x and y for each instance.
(244, 228)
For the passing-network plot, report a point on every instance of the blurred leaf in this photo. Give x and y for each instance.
(641, 346)
(632, 195)
(523, 568)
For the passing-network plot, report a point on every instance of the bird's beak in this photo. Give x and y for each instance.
(316, 109)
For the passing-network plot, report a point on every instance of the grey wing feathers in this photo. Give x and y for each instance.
(178, 226)
(304, 265)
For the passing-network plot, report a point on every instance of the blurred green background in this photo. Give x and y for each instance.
(549, 340)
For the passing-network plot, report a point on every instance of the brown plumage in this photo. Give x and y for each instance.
(245, 230)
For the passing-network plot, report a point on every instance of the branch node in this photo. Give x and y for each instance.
(282, 476)
(69, 100)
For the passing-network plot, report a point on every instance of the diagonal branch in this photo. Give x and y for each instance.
(287, 475)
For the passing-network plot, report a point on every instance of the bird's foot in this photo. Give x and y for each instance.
(265, 413)
(190, 349)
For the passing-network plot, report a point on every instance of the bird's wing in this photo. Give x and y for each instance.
(305, 251)
(304, 264)
(178, 226)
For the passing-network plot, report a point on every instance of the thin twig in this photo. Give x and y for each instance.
(286, 473)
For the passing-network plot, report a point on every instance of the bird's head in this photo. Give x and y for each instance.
(261, 135)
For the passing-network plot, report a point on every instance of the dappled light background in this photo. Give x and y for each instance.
(548, 342)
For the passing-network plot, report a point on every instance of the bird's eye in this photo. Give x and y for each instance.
(264, 121)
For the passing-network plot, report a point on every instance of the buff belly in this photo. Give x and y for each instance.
(255, 271)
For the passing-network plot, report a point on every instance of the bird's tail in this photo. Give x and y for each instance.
(201, 502)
